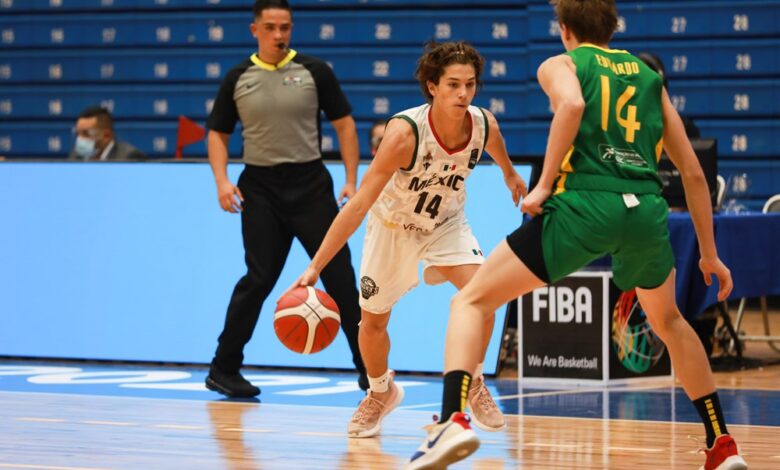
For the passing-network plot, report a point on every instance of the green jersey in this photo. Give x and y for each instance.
(619, 140)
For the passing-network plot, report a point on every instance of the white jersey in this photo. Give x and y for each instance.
(432, 189)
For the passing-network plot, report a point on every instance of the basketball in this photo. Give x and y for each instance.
(306, 320)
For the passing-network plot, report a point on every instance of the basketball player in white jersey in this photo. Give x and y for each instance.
(414, 190)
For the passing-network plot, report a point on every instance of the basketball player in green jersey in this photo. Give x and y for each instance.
(599, 194)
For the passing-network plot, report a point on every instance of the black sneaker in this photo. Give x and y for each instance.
(231, 385)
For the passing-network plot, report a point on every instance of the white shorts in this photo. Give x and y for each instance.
(391, 256)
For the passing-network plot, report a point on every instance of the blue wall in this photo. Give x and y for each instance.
(137, 262)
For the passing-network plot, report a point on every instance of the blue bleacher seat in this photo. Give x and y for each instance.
(656, 20)
(108, 5)
(198, 65)
(152, 60)
(331, 28)
(158, 139)
(154, 102)
(725, 58)
(698, 99)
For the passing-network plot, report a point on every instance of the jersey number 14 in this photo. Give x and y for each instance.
(629, 122)
(432, 208)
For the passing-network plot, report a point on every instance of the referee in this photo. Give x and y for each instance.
(285, 191)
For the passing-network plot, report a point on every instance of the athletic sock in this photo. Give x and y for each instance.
(456, 389)
(712, 415)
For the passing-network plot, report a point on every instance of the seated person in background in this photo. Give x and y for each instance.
(655, 63)
(376, 134)
(95, 139)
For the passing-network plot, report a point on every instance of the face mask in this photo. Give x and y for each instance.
(84, 148)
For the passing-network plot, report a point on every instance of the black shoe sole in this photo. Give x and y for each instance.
(214, 386)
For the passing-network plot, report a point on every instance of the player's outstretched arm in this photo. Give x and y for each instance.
(496, 148)
(558, 78)
(395, 151)
(697, 195)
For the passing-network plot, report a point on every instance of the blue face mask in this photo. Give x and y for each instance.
(84, 147)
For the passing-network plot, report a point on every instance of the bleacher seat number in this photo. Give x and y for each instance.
(739, 143)
(5, 71)
(160, 144)
(6, 107)
(679, 24)
(383, 31)
(443, 31)
(381, 105)
(55, 71)
(55, 107)
(5, 144)
(744, 62)
(741, 102)
(678, 101)
(163, 34)
(57, 35)
(216, 33)
(106, 71)
(160, 107)
(54, 144)
(327, 32)
(109, 35)
(497, 68)
(500, 31)
(497, 106)
(213, 70)
(554, 29)
(381, 68)
(741, 23)
(161, 70)
(8, 36)
(680, 63)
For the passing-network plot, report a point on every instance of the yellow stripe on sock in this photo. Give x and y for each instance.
(713, 417)
(464, 391)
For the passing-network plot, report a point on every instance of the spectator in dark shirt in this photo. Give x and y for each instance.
(95, 139)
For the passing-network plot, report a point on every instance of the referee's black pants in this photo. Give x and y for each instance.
(282, 202)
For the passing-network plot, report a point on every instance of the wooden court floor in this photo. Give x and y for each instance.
(58, 429)
(79, 431)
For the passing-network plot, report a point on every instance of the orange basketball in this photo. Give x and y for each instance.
(306, 320)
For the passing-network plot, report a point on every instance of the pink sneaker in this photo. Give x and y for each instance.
(484, 411)
(367, 419)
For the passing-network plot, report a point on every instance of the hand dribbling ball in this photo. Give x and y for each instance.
(306, 320)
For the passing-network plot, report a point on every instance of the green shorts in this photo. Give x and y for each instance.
(579, 227)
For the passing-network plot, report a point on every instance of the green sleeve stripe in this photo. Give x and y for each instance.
(416, 139)
(487, 128)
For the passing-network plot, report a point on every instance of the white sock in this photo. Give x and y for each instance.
(380, 384)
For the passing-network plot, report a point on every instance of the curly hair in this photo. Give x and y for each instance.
(438, 56)
(590, 20)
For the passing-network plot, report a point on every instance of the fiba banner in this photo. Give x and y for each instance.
(584, 328)
(562, 328)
